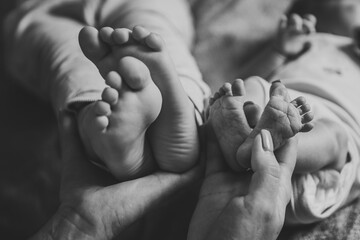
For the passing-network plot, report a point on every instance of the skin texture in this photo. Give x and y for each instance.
(93, 204)
(91, 201)
(114, 128)
(244, 206)
(229, 117)
(173, 130)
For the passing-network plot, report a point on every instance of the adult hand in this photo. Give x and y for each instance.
(244, 205)
(93, 205)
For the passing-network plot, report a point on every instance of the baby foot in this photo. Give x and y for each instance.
(282, 118)
(293, 35)
(114, 129)
(229, 116)
(173, 136)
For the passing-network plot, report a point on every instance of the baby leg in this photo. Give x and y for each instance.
(232, 118)
(326, 146)
(114, 129)
(281, 117)
(293, 35)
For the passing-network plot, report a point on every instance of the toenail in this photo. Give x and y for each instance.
(248, 103)
(277, 81)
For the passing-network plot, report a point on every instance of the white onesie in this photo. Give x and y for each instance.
(328, 75)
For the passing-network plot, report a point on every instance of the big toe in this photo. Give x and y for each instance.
(278, 89)
(134, 73)
(252, 112)
(238, 88)
(91, 45)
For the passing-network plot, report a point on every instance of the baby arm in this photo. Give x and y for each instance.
(291, 42)
(264, 63)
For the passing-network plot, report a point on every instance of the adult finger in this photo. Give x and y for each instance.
(266, 177)
(130, 200)
(286, 156)
(272, 175)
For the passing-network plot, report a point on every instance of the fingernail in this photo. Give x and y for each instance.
(267, 140)
(276, 81)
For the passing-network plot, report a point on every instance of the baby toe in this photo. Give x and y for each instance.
(295, 22)
(155, 42)
(307, 117)
(110, 95)
(100, 123)
(113, 79)
(102, 108)
(307, 127)
(121, 35)
(238, 88)
(298, 102)
(105, 35)
(303, 109)
(252, 112)
(139, 33)
(311, 18)
(226, 89)
(278, 89)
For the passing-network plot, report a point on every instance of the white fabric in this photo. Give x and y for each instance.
(61, 73)
(328, 75)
